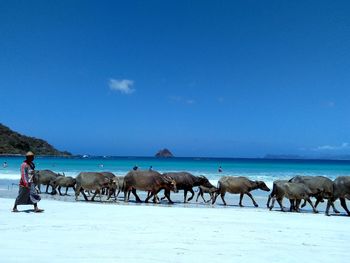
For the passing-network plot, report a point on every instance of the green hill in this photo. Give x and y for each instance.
(12, 142)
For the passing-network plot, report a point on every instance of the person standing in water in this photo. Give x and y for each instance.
(27, 194)
(220, 169)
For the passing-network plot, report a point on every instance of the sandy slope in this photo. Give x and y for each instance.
(95, 232)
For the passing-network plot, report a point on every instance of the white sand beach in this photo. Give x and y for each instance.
(99, 232)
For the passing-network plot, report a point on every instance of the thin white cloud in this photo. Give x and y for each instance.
(179, 99)
(343, 146)
(125, 86)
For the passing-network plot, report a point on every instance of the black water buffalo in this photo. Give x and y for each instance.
(238, 185)
(341, 190)
(150, 181)
(186, 181)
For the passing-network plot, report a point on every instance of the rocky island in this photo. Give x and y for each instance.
(164, 153)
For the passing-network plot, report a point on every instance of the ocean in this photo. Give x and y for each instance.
(256, 169)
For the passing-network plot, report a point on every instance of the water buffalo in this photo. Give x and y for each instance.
(150, 181)
(110, 176)
(238, 185)
(277, 193)
(209, 190)
(64, 181)
(295, 192)
(321, 187)
(46, 177)
(186, 181)
(341, 190)
(91, 181)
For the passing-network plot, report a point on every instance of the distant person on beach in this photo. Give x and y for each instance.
(220, 169)
(4, 165)
(150, 168)
(135, 168)
(27, 194)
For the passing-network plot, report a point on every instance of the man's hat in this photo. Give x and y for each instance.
(29, 153)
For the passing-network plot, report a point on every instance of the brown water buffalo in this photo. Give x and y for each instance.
(208, 190)
(64, 181)
(46, 177)
(295, 192)
(321, 187)
(150, 181)
(238, 185)
(341, 190)
(91, 181)
(186, 181)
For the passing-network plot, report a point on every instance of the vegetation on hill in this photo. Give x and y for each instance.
(12, 142)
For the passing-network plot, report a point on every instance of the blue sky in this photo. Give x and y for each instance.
(203, 78)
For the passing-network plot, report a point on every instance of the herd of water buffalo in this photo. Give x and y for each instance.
(297, 189)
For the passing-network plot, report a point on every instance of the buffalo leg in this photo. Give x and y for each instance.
(93, 197)
(77, 192)
(272, 202)
(292, 207)
(214, 199)
(318, 200)
(334, 209)
(167, 195)
(251, 197)
(240, 199)
(222, 197)
(47, 189)
(59, 190)
(138, 200)
(66, 191)
(329, 204)
(297, 204)
(198, 196)
(191, 191)
(268, 201)
(185, 196)
(304, 204)
(313, 207)
(126, 199)
(279, 200)
(343, 204)
(149, 195)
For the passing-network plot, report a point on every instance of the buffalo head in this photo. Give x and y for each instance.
(262, 186)
(171, 184)
(204, 181)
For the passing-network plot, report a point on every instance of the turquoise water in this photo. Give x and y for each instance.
(262, 169)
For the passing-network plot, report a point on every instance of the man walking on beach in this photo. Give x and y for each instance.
(27, 194)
